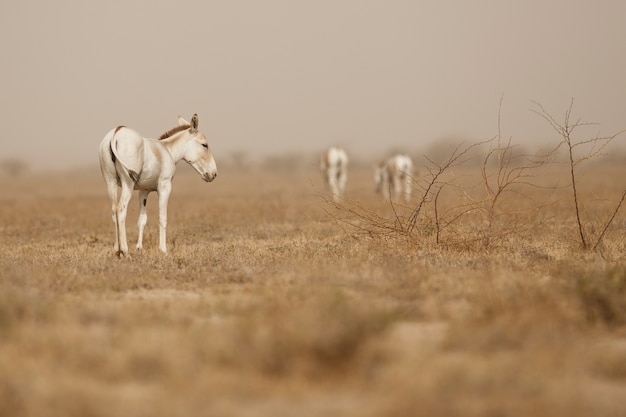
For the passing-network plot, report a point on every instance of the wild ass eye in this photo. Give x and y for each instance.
(205, 145)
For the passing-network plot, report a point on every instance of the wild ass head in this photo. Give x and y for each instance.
(197, 151)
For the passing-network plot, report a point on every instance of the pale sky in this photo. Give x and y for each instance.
(274, 76)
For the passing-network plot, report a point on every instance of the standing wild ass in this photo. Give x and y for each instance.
(394, 174)
(334, 167)
(130, 161)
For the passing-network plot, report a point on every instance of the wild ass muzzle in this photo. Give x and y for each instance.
(130, 162)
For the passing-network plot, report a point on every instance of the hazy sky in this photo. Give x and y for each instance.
(272, 76)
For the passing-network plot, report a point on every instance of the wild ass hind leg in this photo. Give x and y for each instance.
(143, 217)
(386, 187)
(112, 190)
(332, 183)
(122, 209)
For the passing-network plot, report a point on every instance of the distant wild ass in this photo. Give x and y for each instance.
(334, 167)
(130, 161)
(394, 174)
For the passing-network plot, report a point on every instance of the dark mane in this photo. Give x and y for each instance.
(173, 131)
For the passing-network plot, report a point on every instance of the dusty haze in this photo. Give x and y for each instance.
(283, 76)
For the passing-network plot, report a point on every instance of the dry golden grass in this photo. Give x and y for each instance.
(268, 304)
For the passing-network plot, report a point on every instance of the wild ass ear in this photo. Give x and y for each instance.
(194, 123)
(182, 121)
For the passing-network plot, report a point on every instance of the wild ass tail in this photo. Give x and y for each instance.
(127, 148)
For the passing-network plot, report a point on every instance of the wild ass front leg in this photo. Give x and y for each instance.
(143, 217)
(397, 186)
(408, 185)
(164, 195)
(341, 182)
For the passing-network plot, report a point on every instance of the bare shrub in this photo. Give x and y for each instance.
(435, 183)
(505, 171)
(579, 151)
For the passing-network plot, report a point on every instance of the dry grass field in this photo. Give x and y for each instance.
(275, 302)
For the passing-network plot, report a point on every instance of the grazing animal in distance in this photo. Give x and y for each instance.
(130, 162)
(334, 166)
(394, 174)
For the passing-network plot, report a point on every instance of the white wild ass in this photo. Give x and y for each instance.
(334, 167)
(130, 161)
(394, 174)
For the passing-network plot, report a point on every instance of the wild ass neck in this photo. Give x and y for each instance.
(176, 145)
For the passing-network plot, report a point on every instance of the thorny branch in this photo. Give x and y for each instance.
(599, 143)
(436, 171)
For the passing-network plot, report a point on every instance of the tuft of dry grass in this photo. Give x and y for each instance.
(269, 303)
